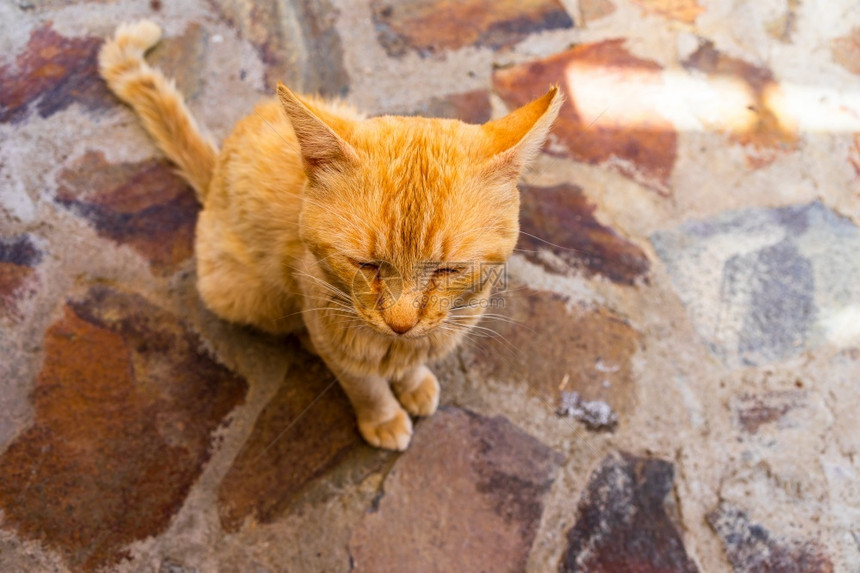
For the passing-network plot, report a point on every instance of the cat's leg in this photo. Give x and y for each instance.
(381, 420)
(418, 391)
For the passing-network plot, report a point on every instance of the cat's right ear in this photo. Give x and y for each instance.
(321, 146)
(517, 137)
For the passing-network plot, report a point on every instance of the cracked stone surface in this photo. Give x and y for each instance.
(431, 26)
(113, 450)
(646, 152)
(18, 257)
(144, 205)
(789, 285)
(750, 547)
(668, 378)
(467, 495)
(627, 502)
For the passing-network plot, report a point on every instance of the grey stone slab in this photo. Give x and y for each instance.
(764, 284)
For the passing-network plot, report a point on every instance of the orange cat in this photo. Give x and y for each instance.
(371, 234)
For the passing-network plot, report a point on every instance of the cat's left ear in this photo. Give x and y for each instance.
(517, 137)
(321, 145)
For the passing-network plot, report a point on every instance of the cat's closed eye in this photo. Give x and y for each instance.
(365, 265)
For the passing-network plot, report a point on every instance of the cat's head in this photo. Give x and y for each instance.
(410, 218)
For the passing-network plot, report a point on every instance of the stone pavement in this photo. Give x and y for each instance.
(672, 378)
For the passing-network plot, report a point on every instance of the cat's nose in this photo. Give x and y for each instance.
(402, 316)
(402, 326)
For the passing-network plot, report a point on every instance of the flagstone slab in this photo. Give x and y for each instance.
(18, 260)
(765, 284)
(144, 205)
(432, 26)
(751, 548)
(764, 131)
(627, 520)
(50, 74)
(548, 350)
(470, 107)
(125, 406)
(561, 220)
(297, 42)
(466, 496)
(642, 145)
(305, 430)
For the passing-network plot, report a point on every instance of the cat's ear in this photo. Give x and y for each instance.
(517, 137)
(321, 145)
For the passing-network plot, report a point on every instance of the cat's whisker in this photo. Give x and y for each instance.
(503, 317)
(500, 318)
(471, 339)
(511, 290)
(327, 298)
(572, 249)
(326, 285)
(295, 420)
(272, 126)
(332, 289)
(496, 336)
(319, 308)
(483, 343)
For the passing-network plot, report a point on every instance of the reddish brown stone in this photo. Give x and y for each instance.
(538, 342)
(471, 107)
(466, 496)
(682, 10)
(765, 137)
(18, 257)
(645, 151)
(846, 51)
(144, 205)
(54, 72)
(754, 410)
(12, 278)
(430, 26)
(125, 405)
(561, 219)
(627, 521)
(304, 431)
(310, 60)
(750, 547)
(592, 10)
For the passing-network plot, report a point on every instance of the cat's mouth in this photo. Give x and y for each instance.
(399, 331)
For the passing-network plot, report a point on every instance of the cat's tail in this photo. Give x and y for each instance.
(157, 102)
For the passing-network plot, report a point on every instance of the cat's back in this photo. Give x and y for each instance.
(259, 160)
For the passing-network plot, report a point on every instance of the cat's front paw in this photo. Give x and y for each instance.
(421, 397)
(392, 434)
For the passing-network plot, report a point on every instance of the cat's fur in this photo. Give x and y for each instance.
(307, 199)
